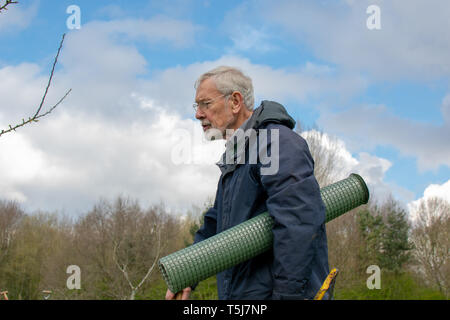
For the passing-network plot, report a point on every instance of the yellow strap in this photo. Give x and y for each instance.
(326, 284)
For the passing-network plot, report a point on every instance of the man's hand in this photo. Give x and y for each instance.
(185, 294)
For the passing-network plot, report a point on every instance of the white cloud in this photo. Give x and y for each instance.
(114, 133)
(370, 167)
(99, 62)
(432, 191)
(21, 90)
(343, 164)
(17, 17)
(445, 109)
(413, 42)
(269, 83)
(110, 137)
(70, 161)
(246, 33)
(250, 39)
(373, 169)
(366, 127)
(156, 29)
(112, 11)
(15, 155)
(107, 138)
(436, 190)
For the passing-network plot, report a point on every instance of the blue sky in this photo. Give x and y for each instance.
(383, 93)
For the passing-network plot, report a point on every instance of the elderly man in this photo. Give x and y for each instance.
(298, 262)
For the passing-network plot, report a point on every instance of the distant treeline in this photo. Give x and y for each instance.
(115, 245)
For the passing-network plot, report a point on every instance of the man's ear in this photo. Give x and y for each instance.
(237, 101)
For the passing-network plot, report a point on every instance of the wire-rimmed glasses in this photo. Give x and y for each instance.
(203, 105)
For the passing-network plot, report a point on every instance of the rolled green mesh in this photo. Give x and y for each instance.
(204, 259)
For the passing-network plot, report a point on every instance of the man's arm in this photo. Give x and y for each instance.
(295, 203)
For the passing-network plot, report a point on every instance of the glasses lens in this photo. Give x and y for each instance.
(205, 105)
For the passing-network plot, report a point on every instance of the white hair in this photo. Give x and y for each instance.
(228, 80)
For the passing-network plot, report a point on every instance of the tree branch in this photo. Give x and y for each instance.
(122, 269)
(37, 114)
(154, 262)
(51, 77)
(8, 2)
(134, 289)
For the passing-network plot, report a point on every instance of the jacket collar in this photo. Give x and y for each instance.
(267, 112)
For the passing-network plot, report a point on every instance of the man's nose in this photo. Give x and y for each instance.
(199, 114)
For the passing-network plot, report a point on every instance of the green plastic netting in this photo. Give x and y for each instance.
(204, 259)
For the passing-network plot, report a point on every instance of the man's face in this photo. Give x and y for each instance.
(214, 115)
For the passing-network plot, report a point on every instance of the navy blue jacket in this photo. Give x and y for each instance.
(297, 264)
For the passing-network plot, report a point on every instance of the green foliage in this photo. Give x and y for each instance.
(384, 235)
(371, 230)
(157, 291)
(21, 272)
(396, 246)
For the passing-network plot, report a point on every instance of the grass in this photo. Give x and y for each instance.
(401, 286)
(393, 287)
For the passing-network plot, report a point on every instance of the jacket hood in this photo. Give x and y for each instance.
(270, 112)
(267, 112)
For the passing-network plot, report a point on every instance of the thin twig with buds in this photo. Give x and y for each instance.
(37, 115)
(3, 7)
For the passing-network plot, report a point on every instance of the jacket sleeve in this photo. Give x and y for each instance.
(295, 203)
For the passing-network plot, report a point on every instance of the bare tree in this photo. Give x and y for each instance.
(10, 216)
(116, 245)
(136, 240)
(61, 254)
(325, 152)
(431, 237)
(122, 266)
(92, 253)
(343, 238)
(119, 245)
(37, 115)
